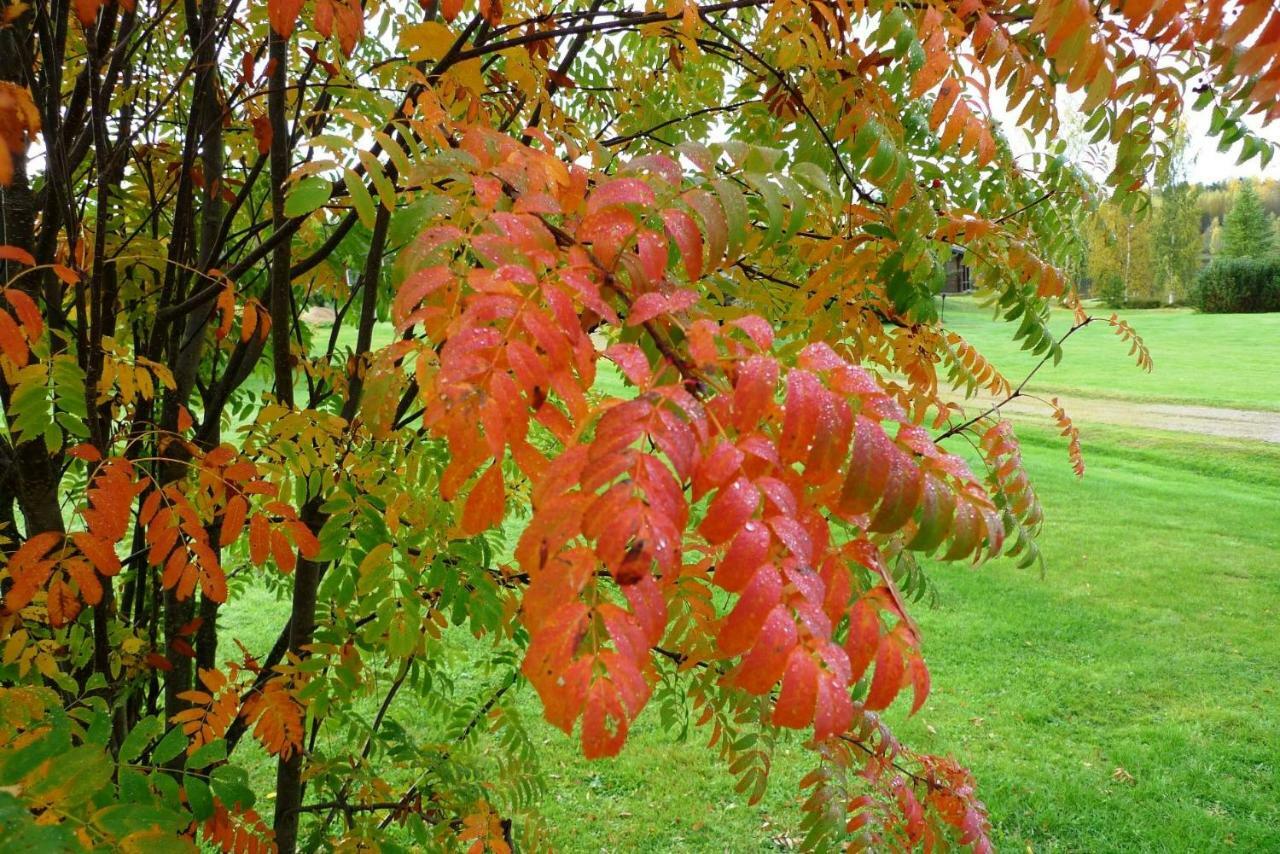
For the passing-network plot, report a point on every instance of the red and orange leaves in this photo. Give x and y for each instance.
(183, 524)
(240, 830)
(776, 454)
(777, 480)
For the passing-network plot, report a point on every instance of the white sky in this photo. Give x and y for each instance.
(1212, 165)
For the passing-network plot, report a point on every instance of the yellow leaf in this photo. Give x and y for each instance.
(427, 42)
(469, 76)
(14, 645)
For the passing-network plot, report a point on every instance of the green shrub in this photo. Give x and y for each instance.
(1111, 290)
(1238, 285)
(1146, 302)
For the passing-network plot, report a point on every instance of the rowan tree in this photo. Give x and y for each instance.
(635, 391)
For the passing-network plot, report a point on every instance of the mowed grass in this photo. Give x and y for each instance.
(1124, 701)
(1206, 359)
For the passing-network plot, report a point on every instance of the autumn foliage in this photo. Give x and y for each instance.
(636, 396)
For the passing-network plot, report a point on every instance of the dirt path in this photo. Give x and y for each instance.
(1205, 420)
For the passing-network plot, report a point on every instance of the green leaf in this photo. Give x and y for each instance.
(173, 743)
(735, 215)
(307, 195)
(811, 175)
(198, 797)
(772, 205)
(214, 751)
(360, 199)
(231, 785)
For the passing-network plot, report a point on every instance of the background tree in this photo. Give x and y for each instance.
(1175, 230)
(605, 411)
(1246, 229)
(1119, 255)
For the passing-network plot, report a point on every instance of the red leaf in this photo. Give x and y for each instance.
(654, 304)
(744, 623)
(415, 289)
(863, 639)
(87, 11)
(801, 415)
(492, 11)
(633, 363)
(887, 681)
(450, 9)
(868, 469)
(757, 328)
(484, 506)
(608, 232)
(263, 133)
(753, 391)
(684, 231)
(764, 665)
(604, 721)
(795, 704)
(834, 710)
(919, 682)
(729, 510)
(748, 552)
(620, 191)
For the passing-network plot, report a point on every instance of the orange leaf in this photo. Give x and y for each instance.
(29, 567)
(66, 274)
(485, 503)
(63, 603)
(12, 342)
(263, 133)
(233, 521)
(306, 542)
(259, 539)
(283, 15)
(28, 314)
(15, 253)
(85, 451)
(101, 553)
(282, 551)
(87, 11)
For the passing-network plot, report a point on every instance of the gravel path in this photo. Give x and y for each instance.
(1205, 420)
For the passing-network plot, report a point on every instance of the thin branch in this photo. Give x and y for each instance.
(1018, 391)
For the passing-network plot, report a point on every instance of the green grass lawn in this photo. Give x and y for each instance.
(1206, 359)
(1125, 701)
